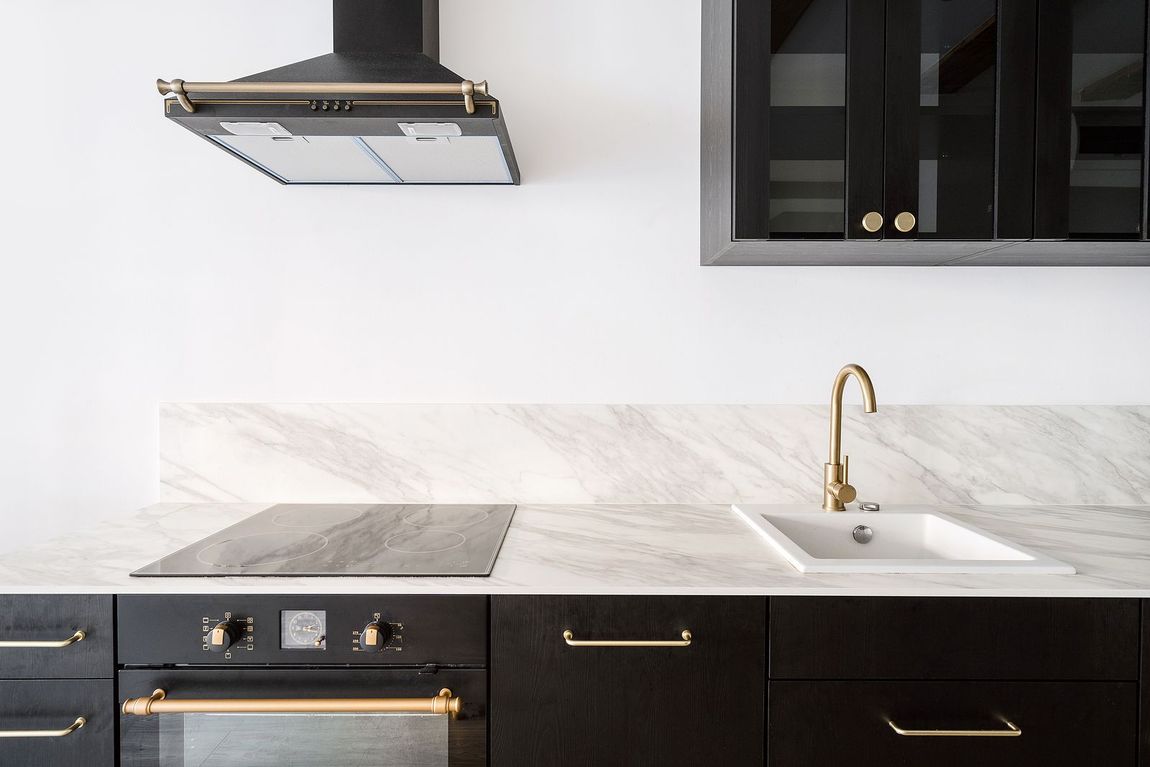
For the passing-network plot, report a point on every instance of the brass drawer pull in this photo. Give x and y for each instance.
(569, 638)
(80, 722)
(1012, 731)
(77, 637)
(158, 703)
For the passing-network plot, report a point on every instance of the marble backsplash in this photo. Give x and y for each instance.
(649, 453)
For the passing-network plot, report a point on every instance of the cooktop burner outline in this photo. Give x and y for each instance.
(436, 540)
(348, 540)
(330, 518)
(460, 516)
(276, 547)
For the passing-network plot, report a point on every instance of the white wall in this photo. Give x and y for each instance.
(141, 265)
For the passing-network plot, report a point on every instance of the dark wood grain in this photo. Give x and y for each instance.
(1052, 120)
(1144, 706)
(953, 638)
(845, 723)
(752, 109)
(901, 108)
(52, 618)
(572, 707)
(54, 705)
(1014, 156)
(865, 83)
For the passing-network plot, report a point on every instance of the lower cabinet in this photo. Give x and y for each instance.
(579, 681)
(38, 723)
(991, 724)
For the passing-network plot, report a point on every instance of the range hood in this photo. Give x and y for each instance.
(380, 109)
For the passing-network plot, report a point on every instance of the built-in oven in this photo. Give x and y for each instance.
(304, 681)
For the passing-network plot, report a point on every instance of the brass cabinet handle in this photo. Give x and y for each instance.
(77, 637)
(905, 221)
(80, 722)
(872, 221)
(1012, 731)
(569, 638)
(158, 703)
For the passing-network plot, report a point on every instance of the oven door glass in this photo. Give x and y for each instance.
(277, 740)
(200, 719)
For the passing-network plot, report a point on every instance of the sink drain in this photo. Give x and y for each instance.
(862, 534)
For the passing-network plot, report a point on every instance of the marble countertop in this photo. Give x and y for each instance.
(610, 549)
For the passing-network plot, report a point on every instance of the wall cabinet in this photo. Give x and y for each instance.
(562, 705)
(924, 132)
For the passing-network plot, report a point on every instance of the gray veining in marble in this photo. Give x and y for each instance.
(356, 453)
(611, 549)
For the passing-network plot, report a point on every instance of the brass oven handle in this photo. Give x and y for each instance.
(158, 703)
(1012, 731)
(80, 722)
(77, 637)
(569, 638)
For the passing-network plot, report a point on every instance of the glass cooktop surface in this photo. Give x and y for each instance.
(348, 539)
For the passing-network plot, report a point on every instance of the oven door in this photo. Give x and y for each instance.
(303, 717)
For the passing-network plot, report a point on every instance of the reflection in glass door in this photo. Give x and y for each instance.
(1106, 113)
(807, 119)
(956, 119)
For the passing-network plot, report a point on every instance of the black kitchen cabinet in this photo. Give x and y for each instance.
(880, 676)
(57, 699)
(1002, 724)
(561, 705)
(1144, 709)
(924, 132)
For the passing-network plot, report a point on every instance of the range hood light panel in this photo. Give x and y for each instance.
(380, 109)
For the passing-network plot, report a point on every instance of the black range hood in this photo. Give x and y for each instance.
(380, 109)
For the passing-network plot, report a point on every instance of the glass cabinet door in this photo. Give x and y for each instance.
(940, 119)
(1090, 138)
(790, 119)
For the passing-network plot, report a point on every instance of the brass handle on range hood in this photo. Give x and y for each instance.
(158, 703)
(468, 89)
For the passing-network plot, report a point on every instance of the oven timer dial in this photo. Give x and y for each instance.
(374, 636)
(223, 636)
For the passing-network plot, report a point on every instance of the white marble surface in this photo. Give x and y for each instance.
(573, 454)
(611, 549)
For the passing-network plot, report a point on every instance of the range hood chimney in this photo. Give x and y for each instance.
(379, 109)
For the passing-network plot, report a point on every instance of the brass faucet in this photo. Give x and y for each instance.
(836, 490)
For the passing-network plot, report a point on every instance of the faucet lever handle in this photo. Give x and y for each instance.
(846, 469)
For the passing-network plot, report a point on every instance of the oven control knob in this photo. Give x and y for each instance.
(223, 636)
(374, 636)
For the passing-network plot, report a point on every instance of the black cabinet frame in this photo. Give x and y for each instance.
(735, 162)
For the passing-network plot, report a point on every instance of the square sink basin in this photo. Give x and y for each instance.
(903, 541)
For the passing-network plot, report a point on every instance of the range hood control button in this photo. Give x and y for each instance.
(374, 636)
(223, 636)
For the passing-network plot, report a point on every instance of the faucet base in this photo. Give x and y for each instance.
(836, 492)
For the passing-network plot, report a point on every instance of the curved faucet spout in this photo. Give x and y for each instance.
(837, 490)
(869, 405)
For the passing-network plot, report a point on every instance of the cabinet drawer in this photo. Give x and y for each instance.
(54, 619)
(53, 705)
(954, 638)
(1071, 723)
(570, 706)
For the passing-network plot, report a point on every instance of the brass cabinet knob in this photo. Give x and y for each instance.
(905, 221)
(872, 221)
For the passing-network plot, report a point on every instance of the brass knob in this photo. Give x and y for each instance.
(872, 221)
(905, 221)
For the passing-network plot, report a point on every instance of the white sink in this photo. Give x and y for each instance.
(903, 541)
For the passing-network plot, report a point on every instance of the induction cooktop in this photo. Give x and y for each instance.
(348, 539)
